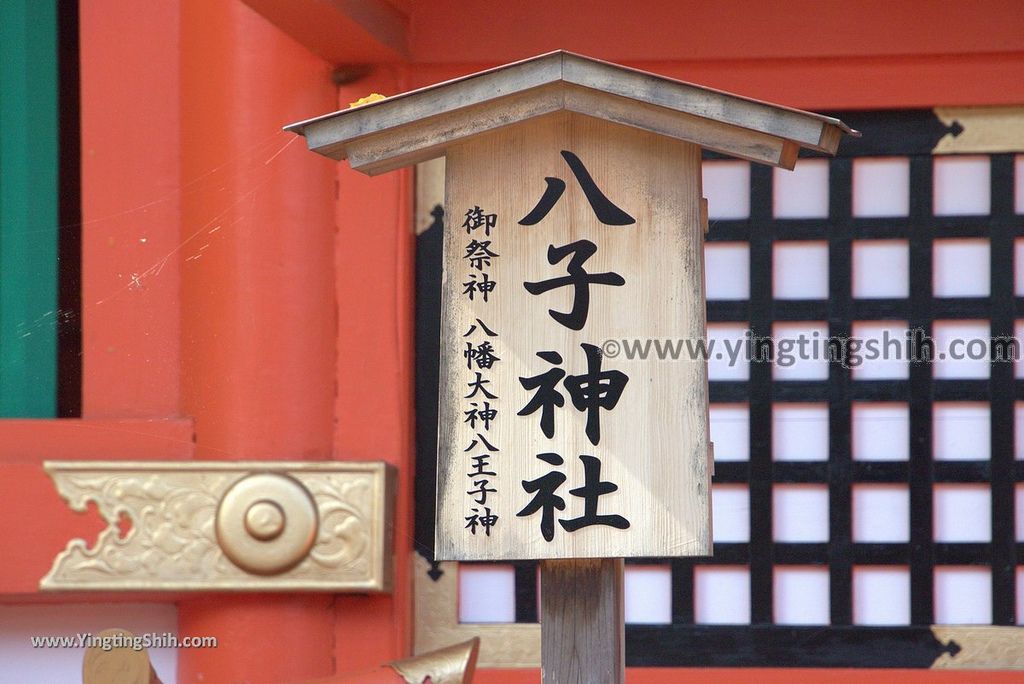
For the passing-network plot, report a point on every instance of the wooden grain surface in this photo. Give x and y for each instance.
(654, 443)
(582, 622)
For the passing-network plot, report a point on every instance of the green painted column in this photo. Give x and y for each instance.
(28, 208)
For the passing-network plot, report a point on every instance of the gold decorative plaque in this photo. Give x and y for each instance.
(981, 130)
(228, 526)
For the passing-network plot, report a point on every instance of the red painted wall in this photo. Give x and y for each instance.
(287, 332)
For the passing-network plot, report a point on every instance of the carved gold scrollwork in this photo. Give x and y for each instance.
(258, 526)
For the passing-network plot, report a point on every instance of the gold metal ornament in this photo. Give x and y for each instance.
(454, 664)
(119, 665)
(266, 523)
(245, 526)
(979, 647)
(981, 130)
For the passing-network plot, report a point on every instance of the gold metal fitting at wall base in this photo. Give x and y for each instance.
(451, 665)
(229, 526)
(455, 664)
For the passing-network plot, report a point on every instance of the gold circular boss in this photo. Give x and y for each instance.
(266, 523)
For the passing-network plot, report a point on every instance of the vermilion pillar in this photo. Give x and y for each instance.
(375, 266)
(258, 309)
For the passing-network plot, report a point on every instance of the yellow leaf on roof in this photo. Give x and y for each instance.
(372, 97)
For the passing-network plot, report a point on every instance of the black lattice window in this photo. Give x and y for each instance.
(857, 507)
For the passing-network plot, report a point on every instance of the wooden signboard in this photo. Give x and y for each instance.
(566, 235)
(573, 227)
(573, 222)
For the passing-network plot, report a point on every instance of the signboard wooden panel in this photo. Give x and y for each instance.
(564, 236)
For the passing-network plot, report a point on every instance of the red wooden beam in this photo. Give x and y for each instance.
(37, 523)
(461, 31)
(341, 31)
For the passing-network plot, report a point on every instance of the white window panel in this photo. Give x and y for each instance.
(800, 269)
(881, 186)
(800, 595)
(1018, 183)
(730, 513)
(962, 185)
(802, 192)
(961, 431)
(881, 269)
(962, 513)
(648, 594)
(1018, 431)
(727, 189)
(881, 513)
(790, 362)
(880, 431)
(723, 341)
(1018, 505)
(1018, 334)
(799, 432)
(721, 595)
(969, 340)
(881, 595)
(800, 513)
(960, 268)
(1018, 267)
(487, 593)
(883, 351)
(730, 431)
(727, 270)
(1020, 595)
(963, 595)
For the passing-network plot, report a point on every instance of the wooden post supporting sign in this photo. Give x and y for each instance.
(582, 621)
(568, 430)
